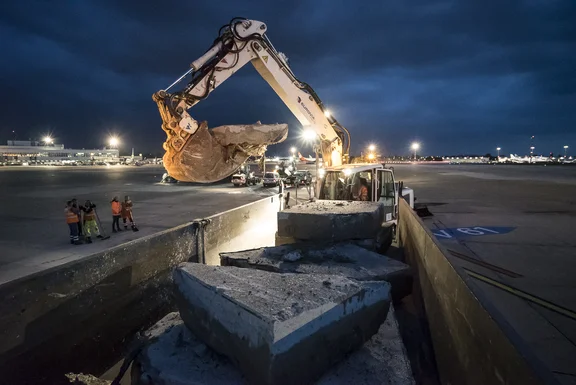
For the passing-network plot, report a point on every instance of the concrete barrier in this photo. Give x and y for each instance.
(473, 343)
(79, 316)
(246, 227)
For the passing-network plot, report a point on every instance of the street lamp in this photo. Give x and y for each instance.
(293, 150)
(310, 135)
(498, 149)
(48, 140)
(415, 147)
(531, 150)
(565, 151)
(113, 141)
(372, 148)
(327, 113)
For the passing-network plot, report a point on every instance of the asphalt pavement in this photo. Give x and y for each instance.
(33, 231)
(512, 228)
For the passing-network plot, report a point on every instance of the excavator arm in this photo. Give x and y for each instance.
(195, 153)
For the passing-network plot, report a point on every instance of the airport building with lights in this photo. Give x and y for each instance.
(32, 152)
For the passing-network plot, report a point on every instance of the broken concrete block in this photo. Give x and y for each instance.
(331, 220)
(174, 356)
(279, 328)
(345, 259)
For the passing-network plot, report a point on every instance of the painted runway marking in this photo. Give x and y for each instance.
(522, 294)
(476, 231)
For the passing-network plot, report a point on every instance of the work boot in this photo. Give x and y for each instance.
(71, 241)
(114, 231)
(77, 242)
(88, 240)
(99, 236)
(134, 228)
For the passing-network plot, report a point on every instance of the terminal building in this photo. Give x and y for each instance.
(33, 152)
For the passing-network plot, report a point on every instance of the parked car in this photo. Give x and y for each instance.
(271, 179)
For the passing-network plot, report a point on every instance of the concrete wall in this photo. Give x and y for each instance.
(79, 316)
(246, 227)
(473, 343)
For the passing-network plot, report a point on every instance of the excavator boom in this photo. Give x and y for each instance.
(195, 153)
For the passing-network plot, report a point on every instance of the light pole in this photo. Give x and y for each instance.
(498, 149)
(311, 136)
(532, 150)
(415, 147)
(565, 151)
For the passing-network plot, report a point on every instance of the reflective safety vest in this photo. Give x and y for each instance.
(90, 215)
(116, 208)
(71, 217)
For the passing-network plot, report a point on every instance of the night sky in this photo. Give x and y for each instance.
(457, 76)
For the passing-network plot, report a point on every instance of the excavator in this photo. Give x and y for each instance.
(195, 153)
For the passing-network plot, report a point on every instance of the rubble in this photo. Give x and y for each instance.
(270, 324)
(210, 155)
(174, 356)
(344, 259)
(331, 220)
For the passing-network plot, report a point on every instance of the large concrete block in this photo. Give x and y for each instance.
(174, 356)
(279, 328)
(331, 220)
(345, 259)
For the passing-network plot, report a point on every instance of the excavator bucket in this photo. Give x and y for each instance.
(210, 155)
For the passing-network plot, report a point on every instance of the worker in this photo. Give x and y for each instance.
(90, 224)
(71, 215)
(363, 193)
(116, 214)
(79, 210)
(127, 213)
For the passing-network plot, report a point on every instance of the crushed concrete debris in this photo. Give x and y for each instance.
(268, 324)
(174, 356)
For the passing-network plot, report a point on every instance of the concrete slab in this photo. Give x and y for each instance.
(174, 356)
(331, 220)
(345, 259)
(268, 324)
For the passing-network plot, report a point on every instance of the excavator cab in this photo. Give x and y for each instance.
(345, 182)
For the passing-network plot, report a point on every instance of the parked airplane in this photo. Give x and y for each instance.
(310, 160)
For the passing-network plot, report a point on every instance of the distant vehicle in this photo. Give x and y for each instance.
(271, 179)
(244, 177)
(299, 178)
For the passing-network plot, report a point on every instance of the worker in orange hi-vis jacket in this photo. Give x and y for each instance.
(116, 214)
(127, 213)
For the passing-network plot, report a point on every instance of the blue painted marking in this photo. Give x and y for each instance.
(476, 231)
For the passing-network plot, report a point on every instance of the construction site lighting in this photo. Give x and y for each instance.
(415, 146)
(371, 156)
(48, 140)
(113, 141)
(293, 150)
(327, 113)
(309, 135)
(372, 147)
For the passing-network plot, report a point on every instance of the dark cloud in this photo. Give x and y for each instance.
(458, 76)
